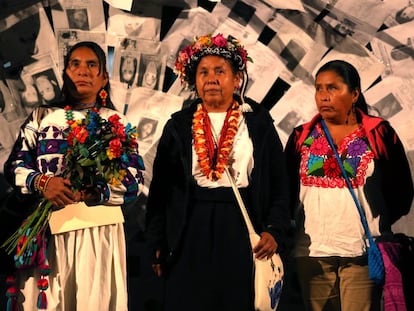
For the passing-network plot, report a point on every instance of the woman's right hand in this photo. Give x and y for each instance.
(157, 266)
(59, 192)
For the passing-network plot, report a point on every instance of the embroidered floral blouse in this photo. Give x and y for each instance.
(331, 223)
(326, 217)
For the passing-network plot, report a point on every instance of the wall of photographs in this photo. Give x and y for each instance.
(288, 41)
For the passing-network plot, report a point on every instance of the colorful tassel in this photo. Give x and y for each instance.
(11, 294)
(42, 285)
(42, 301)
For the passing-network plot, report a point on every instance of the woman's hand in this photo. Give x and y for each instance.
(59, 192)
(157, 266)
(266, 247)
(89, 195)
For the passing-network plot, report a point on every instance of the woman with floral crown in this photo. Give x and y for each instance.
(84, 268)
(195, 229)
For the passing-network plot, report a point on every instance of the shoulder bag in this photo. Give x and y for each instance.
(267, 273)
(375, 260)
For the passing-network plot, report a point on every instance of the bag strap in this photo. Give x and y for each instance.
(236, 191)
(351, 190)
(240, 202)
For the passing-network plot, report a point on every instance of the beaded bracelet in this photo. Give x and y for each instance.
(41, 182)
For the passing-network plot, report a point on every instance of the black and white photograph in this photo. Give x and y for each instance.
(29, 95)
(242, 13)
(78, 18)
(128, 69)
(149, 71)
(146, 129)
(292, 54)
(290, 120)
(388, 106)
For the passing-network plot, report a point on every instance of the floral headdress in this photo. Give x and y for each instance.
(189, 57)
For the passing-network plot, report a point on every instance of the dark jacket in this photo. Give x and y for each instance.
(169, 199)
(389, 191)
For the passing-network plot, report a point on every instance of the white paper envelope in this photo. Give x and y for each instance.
(79, 216)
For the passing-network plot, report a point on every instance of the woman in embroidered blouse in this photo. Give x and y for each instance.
(88, 266)
(330, 247)
(194, 226)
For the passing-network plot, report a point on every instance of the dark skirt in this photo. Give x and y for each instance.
(213, 270)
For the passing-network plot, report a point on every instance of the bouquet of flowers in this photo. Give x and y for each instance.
(99, 150)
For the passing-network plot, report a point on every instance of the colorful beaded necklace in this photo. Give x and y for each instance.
(69, 113)
(211, 158)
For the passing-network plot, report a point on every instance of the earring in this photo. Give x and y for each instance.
(347, 116)
(237, 90)
(349, 113)
(103, 94)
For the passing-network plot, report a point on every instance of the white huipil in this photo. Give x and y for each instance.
(88, 266)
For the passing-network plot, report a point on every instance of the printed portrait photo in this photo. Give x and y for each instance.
(388, 106)
(242, 13)
(149, 71)
(128, 69)
(289, 122)
(146, 129)
(47, 86)
(78, 19)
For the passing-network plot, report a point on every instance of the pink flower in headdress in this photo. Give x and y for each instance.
(243, 53)
(182, 58)
(219, 40)
(186, 52)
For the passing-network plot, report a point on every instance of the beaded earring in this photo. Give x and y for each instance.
(352, 110)
(103, 94)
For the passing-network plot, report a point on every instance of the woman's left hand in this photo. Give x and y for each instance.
(89, 195)
(266, 247)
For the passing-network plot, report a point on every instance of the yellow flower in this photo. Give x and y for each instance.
(109, 154)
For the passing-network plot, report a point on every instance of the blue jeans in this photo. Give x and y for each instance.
(337, 284)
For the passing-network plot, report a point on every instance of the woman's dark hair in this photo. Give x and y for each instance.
(350, 76)
(69, 89)
(2, 102)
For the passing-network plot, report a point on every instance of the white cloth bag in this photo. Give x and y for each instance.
(268, 273)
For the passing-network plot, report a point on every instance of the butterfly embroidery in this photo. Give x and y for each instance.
(50, 166)
(56, 132)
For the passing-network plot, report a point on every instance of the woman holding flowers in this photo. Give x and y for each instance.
(78, 150)
(194, 226)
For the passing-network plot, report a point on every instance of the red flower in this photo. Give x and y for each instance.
(119, 131)
(80, 134)
(331, 168)
(114, 119)
(115, 146)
